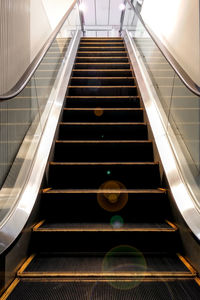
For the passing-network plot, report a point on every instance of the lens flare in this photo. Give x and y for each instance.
(117, 222)
(113, 196)
(98, 112)
(126, 261)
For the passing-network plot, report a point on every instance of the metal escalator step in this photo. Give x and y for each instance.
(101, 73)
(100, 45)
(97, 289)
(99, 114)
(103, 102)
(101, 54)
(101, 59)
(102, 81)
(49, 226)
(101, 66)
(131, 263)
(102, 90)
(68, 200)
(104, 49)
(93, 175)
(103, 131)
(101, 237)
(103, 151)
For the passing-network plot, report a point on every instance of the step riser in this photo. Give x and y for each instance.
(102, 48)
(101, 60)
(164, 289)
(67, 204)
(103, 132)
(100, 152)
(101, 66)
(103, 102)
(102, 82)
(101, 73)
(102, 115)
(93, 176)
(95, 91)
(101, 40)
(104, 241)
(103, 44)
(101, 54)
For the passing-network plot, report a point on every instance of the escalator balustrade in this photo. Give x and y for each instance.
(106, 230)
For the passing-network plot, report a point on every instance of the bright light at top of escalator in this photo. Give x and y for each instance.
(82, 7)
(122, 6)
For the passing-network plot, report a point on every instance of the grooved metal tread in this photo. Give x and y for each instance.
(114, 263)
(95, 191)
(137, 289)
(103, 227)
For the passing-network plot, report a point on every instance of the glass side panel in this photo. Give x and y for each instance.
(184, 117)
(181, 107)
(22, 119)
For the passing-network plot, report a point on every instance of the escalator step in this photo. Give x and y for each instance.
(102, 81)
(99, 114)
(46, 226)
(101, 53)
(101, 72)
(101, 59)
(103, 131)
(93, 175)
(70, 201)
(103, 151)
(103, 49)
(137, 289)
(102, 91)
(103, 102)
(96, 237)
(101, 66)
(102, 44)
(124, 261)
(101, 40)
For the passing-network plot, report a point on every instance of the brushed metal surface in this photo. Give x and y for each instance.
(21, 198)
(180, 179)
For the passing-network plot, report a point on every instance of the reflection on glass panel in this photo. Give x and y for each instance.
(181, 106)
(185, 119)
(22, 119)
(160, 71)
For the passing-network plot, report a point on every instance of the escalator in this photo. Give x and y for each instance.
(105, 229)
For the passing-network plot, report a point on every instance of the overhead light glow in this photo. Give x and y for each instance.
(82, 7)
(122, 6)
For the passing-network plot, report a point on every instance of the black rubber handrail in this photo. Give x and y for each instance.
(22, 82)
(185, 78)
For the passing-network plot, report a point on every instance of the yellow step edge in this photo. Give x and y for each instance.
(10, 289)
(100, 70)
(107, 78)
(81, 52)
(171, 224)
(102, 43)
(80, 229)
(102, 123)
(102, 109)
(25, 264)
(101, 142)
(107, 275)
(99, 97)
(101, 191)
(36, 227)
(101, 87)
(187, 264)
(104, 63)
(101, 57)
(102, 163)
